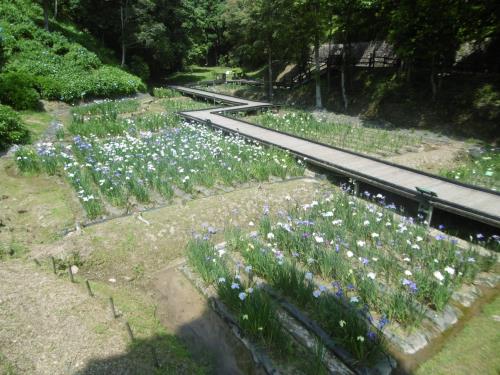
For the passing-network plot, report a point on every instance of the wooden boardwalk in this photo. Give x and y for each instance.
(460, 199)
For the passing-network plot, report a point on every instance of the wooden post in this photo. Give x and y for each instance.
(112, 306)
(129, 330)
(71, 277)
(88, 288)
(54, 265)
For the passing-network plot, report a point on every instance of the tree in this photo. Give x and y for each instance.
(351, 21)
(205, 28)
(425, 35)
(46, 6)
(312, 16)
(150, 29)
(258, 28)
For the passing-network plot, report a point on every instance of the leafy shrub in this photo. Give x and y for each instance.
(18, 91)
(12, 129)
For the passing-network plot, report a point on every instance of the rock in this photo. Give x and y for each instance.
(487, 279)
(74, 269)
(476, 152)
(445, 319)
(112, 280)
(409, 344)
(466, 295)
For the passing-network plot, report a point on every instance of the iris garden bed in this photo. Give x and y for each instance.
(371, 279)
(114, 160)
(356, 138)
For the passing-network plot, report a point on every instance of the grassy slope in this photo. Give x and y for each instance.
(474, 350)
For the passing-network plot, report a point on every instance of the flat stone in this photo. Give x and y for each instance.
(409, 344)
(444, 319)
(487, 279)
(466, 295)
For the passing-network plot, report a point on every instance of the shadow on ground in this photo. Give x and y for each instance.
(212, 346)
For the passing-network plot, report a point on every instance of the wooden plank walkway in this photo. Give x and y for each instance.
(464, 200)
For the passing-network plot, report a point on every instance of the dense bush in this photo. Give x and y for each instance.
(18, 91)
(12, 129)
(62, 69)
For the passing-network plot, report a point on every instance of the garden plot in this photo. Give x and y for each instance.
(114, 161)
(371, 280)
(357, 138)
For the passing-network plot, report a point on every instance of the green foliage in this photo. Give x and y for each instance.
(12, 130)
(139, 67)
(62, 69)
(483, 170)
(487, 102)
(18, 91)
(164, 92)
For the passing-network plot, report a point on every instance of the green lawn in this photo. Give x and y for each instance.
(37, 122)
(194, 73)
(474, 350)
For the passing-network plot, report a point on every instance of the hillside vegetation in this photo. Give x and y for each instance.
(52, 65)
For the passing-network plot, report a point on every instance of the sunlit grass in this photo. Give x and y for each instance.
(482, 171)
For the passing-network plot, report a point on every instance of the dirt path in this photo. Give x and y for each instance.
(50, 326)
(186, 313)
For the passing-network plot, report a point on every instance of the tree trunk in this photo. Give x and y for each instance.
(46, 5)
(317, 77)
(55, 9)
(270, 72)
(433, 81)
(342, 77)
(122, 19)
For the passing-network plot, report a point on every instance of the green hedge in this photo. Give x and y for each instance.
(12, 130)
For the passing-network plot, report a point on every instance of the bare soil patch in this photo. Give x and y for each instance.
(50, 326)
